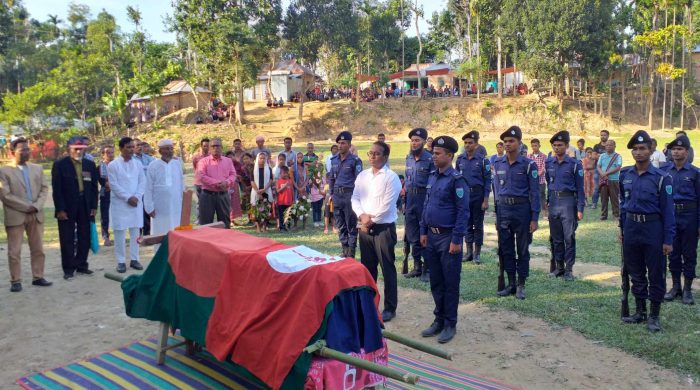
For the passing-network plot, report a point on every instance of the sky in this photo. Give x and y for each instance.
(154, 11)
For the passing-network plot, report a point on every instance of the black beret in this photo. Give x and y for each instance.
(344, 135)
(682, 141)
(420, 132)
(640, 137)
(446, 142)
(562, 136)
(472, 134)
(513, 131)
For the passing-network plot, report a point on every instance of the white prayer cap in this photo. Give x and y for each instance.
(165, 142)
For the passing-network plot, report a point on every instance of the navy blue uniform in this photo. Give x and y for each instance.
(417, 173)
(565, 197)
(647, 222)
(517, 194)
(477, 172)
(444, 221)
(686, 190)
(343, 174)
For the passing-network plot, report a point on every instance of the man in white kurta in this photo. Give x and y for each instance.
(164, 187)
(128, 183)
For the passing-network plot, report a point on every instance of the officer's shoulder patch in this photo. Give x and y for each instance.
(358, 168)
(669, 189)
(534, 173)
(580, 172)
(460, 192)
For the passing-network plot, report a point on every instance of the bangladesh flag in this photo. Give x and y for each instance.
(254, 301)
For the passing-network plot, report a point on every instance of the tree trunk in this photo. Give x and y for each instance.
(623, 85)
(358, 63)
(239, 101)
(610, 95)
(499, 85)
(420, 52)
(673, 61)
(478, 58)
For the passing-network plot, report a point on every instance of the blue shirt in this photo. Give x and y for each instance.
(476, 170)
(27, 183)
(604, 161)
(686, 183)
(566, 175)
(344, 172)
(446, 204)
(418, 171)
(145, 160)
(519, 179)
(648, 193)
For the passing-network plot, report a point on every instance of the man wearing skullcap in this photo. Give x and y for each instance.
(442, 229)
(261, 148)
(345, 168)
(686, 193)
(162, 199)
(647, 227)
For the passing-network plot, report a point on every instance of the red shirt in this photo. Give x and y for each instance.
(284, 197)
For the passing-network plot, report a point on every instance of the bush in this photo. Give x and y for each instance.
(488, 103)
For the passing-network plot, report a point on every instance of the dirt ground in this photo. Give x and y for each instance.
(43, 328)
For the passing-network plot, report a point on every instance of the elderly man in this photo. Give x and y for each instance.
(164, 187)
(609, 165)
(374, 202)
(74, 182)
(260, 142)
(23, 191)
(127, 182)
(217, 175)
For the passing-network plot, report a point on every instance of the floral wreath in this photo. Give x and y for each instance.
(315, 173)
(298, 211)
(261, 211)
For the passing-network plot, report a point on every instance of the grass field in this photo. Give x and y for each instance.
(585, 306)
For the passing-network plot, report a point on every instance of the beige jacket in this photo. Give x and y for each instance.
(14, 194)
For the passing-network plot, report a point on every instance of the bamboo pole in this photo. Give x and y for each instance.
(417, 345)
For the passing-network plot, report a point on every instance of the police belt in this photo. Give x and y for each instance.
(563, 194)
(343, 190)
(510, 200)
(416, 190)
(686, 205)
(476, 188)
(440, 230)
(643, 217)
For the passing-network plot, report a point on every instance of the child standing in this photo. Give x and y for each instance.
(317, 193)
(284, 195)
(589, 168)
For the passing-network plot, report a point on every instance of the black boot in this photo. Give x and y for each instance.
(568, 273)
(675, 290)
(416, 271)
(477, 254)
(425, 276)
(559, 271)
(520, 290)
(345, 252)
(640, 313)
(469, 256)
(351, 252)
(687, 292)
(653, 324)
(510, 288)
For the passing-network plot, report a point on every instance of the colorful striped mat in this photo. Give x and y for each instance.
(134, 367)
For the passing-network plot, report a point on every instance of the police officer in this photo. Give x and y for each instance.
(517, 193)
(648, 227)
(344, 169)
(565, 202)
(442, 229)
(419, 165)
(686, 190)
(476, 170)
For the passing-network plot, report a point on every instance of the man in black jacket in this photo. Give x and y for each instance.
(74, 182)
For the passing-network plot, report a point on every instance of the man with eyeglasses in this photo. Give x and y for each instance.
(217, 175)
(374, 202)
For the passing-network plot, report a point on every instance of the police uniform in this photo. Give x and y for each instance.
(647, 223)
(342, 183)
(683, 259)
(417, 173)
(444, 222)
(565, 197)
(477, 172)
(517, 194)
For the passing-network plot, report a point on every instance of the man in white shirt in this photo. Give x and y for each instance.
(127, 184)
(164, 187)
(657, 157)
(374, 202)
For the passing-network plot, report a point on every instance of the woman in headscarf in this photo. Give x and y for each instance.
(261, 186)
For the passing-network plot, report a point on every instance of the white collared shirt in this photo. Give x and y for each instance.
(376, 194)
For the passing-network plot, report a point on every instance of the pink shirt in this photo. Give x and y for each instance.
(195, 159)
(211, 171)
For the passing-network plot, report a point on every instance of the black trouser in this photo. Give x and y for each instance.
(74, 239)
(475, 225)
(211, 203)
(104, 215)
(146, 229)
(377, 248)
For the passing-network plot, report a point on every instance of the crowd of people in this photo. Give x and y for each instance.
(444, 197)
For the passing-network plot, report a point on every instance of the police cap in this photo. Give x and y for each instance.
(344, 136)
(640, 137)
(514, 132)
(472, 134)
(419, 132)
(682, 141)
(447, 143)
(562, 136)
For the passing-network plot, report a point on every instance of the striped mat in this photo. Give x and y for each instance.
(134, 367)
